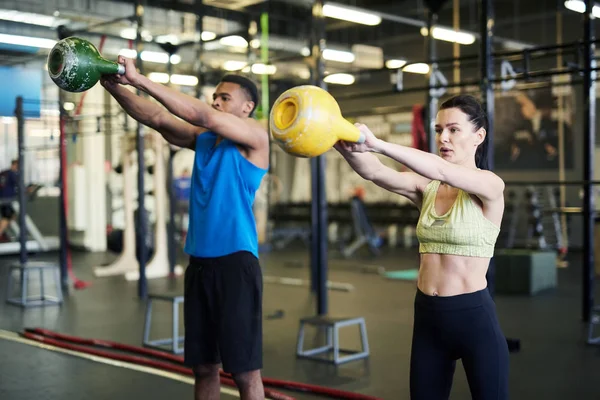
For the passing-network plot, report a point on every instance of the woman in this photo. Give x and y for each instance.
(461, 206)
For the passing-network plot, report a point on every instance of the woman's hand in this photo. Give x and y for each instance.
(369, 145)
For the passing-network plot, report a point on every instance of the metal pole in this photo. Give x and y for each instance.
(432, 100)
(487, 72)
(319, 199)
(199, 48)
(589, 130)
(142, 220)
(21, 180)
(170, 192)
(62, 146)
(486, 19)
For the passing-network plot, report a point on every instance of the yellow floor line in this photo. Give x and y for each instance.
(149, 370)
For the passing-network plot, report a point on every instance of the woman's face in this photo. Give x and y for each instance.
(456, 137)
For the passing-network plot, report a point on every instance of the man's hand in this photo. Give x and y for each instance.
(130, 77)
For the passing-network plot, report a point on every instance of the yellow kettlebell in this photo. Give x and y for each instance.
(306, 121)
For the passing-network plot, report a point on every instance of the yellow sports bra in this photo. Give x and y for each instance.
(462, 230)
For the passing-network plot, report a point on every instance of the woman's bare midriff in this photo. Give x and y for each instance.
(450, 275)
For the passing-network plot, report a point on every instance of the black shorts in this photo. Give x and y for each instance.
(223, 312)
(6, 211)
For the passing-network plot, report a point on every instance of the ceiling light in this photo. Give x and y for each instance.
(207, 35)
(450, 35)
(27, 41)
(234, 65)
(128, 53)
(263, 69)
(233, 41)
(579, 6)
(339, 79)
(159, 77)
(184, 80)
(151, 56)
(170, 38)
(394, 64)
(154, 56)
(31, 18)
(418, 68)
(305, 51)
(131, 34)
(338, 55)
(350, 14)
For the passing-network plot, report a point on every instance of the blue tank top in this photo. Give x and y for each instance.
(224, 184)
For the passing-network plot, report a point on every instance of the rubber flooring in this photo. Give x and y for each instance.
(554, 362)
(32, 372)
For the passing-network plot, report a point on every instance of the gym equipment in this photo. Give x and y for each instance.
(127, 263)
(364, 231)
(525, 271)
(403, 274)
(176, 340)
(25, 299)
(332, 327)
(37, 241)
(306, 121)
(75, 65)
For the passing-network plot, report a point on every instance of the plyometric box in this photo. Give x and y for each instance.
(524, 271)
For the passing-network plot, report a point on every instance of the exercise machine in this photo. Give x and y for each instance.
(37, 242)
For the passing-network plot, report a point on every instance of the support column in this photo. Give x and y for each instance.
(432, 100)
(142, 219)
(318, 164)
(589, 145)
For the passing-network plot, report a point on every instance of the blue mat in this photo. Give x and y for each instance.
(405, 274)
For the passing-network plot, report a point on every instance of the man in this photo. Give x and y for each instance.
(223, 282)
(8, 191)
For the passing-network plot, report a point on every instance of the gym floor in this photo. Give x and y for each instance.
(554, 361)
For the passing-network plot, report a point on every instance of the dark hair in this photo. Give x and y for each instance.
(478, 117)
(247, 85)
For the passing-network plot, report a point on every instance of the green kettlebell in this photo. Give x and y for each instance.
(75, 65)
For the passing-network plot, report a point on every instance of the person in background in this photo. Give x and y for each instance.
(8, 191)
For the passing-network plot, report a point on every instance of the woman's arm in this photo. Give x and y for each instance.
(484, 184)
(369, 167)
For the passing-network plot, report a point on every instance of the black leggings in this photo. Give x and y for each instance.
(457, 327)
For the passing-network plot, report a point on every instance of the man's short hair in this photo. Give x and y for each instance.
(247, 85)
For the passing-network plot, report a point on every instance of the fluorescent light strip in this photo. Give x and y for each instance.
(450, 35)
(151, 56)
(263, 69)
(418, 68)
(350, 14)
(339, 79)
(579, 6)
(338, 55)
(393, 64)
(27, 41)
(182, 80)
(31, 18)
(233, 41)
(232, 65)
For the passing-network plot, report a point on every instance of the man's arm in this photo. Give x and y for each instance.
(197, 112)
(174, 130)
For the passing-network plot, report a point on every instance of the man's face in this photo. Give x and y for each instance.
(231, 98)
